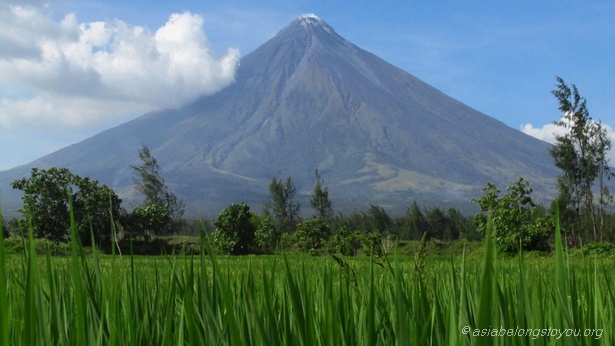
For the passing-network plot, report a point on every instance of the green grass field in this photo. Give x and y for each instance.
(99, 299)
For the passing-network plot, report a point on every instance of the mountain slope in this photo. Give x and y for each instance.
(309, 99)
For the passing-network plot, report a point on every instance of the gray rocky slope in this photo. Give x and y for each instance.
(309, 99)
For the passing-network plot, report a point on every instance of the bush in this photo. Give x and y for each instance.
(18, 245)
(516, 220)
(267, 236)
(597, 248)
(347, 242)
(147, 220)
(312, 235)
(234, 234)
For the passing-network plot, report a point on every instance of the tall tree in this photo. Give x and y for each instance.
(282, 206)
(438, 224)
(581, 155)
(149, 182)
(379, 219)
(320, 201)
(603, 145)
(415, 222)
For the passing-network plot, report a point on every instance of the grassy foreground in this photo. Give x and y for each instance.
(277, 300)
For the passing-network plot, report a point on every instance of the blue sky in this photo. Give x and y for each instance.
(70, 69)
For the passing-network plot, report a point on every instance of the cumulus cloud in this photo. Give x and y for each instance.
(67, 73)
(548, 132)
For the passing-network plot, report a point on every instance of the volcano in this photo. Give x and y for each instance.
(308, 99)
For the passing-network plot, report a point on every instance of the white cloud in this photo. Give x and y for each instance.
(65, 73)
(548, 132)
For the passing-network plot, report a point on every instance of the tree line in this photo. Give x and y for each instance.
(239, 230)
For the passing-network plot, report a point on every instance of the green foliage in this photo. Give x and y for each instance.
(45, 209)
(267, 236)
(416, 224)
(372, 244)
(347, 242)
(234, 234)
(19, 245)
(275, 300)
(311, 235)
(581, 155)
(147, 220)
(439, 225)
(153, 187)
(282, 207)
(598, 248)
(45, 202)
(515, 219)
(320, 201)
(96, 207)
(419, 259)
(380, 220)
(445, 225)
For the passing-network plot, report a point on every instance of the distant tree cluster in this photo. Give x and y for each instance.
(237, 229)
(49, 195)
(371, 231)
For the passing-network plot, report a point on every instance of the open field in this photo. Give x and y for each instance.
(280, 300)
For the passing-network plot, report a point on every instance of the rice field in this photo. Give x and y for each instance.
(300, 300)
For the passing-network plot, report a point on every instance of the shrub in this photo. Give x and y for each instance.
(267, 236)
(347, 242)
(516, 220)
(311, 235)
(147, 220)
(234, 234)
(598, 248)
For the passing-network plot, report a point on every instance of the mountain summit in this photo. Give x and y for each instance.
(308, 99)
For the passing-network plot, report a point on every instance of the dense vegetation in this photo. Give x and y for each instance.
(305, 300)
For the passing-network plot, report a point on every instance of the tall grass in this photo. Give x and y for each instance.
(279, 300)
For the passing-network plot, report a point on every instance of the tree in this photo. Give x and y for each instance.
(460, 226)
(581, 155)
(514, 217)
(282, 207)
(438, 224)
(96, 207)
(416, 222)
(234, 234)
(46, 205)
(149, 182)
(147, 220)
(312, 235)
(379, 219)
(267, 236)
(3, 227)
(347, 242)
(320, 201)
